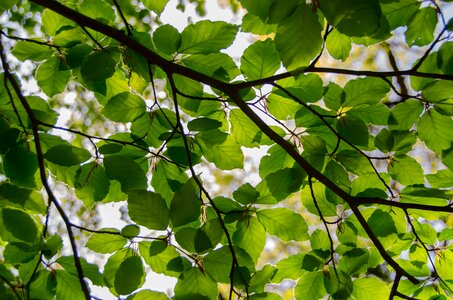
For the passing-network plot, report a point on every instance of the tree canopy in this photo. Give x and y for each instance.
(316, 164)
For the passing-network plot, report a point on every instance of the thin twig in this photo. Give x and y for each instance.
(42, 171)
(235, 263)
(128, 26)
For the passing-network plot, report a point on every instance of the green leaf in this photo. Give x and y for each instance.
(246, 194)
(445, 57)
(298, 39)
(258, 8)
(404, 115)
(113, 263)
(99, 10)
(98, 66)
(24, 50)
(285, 182)
(194, 284)
(250, 236)
(14, 196)
(282, 107)
(20, 166)
(163, 259)
(327, 208)
(41, 109)
(53, 22)
(148, 294)
(148, 209)
(370, 288)
(314, 150)
(353, 130)
(437, 91)
(221, 149)
(67, 155)
(261, 278)
(8, 4)
(68, 286)
(290, 267)
(406, 170)
(167, 179)
(260, 60)
(186, 204)
(306, 87)
(435, 130)
(398, 13)
(126, 171)
(320, 243)
(354, 162)
(442, 179)
(218, 65)
(202, 124)
(420, 29)
(18, 253)
(105, 242)
(276, 159)
(130, 231)
(19, 224)
(338, 45)
(218, 264)
(91, 271)
(354, 261)
(157, 6)
(130, 275)
(207, 37)
(253, 24)
(166, 38)
(381, 223)
(124, 107)
(310, 286)
(91, 183)
(52, 77)
(193, 240)
(337, 174)
(353, 17)
(284, 223)
(368, 90)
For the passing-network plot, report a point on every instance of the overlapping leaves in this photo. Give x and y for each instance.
(333, 139)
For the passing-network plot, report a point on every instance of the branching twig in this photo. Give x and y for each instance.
(128, 26)
(417, 237)
(396, 282)
(42, 171)
(324, 221)
(235, 263)
(314, 112)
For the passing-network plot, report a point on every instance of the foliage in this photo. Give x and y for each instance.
(161, 108)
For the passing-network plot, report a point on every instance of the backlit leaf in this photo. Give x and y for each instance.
(126, 171)
(353, 18)
(284, 223)
(194, 284)
(148, 209)
(420, 29)
(298, 38)
(260, 60)
(186, 204)
(124, 107)
(207, 37)
(435, 130)
(105, 242)
(129, 276)
(66, 155)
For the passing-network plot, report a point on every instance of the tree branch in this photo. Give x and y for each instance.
(42, 171)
